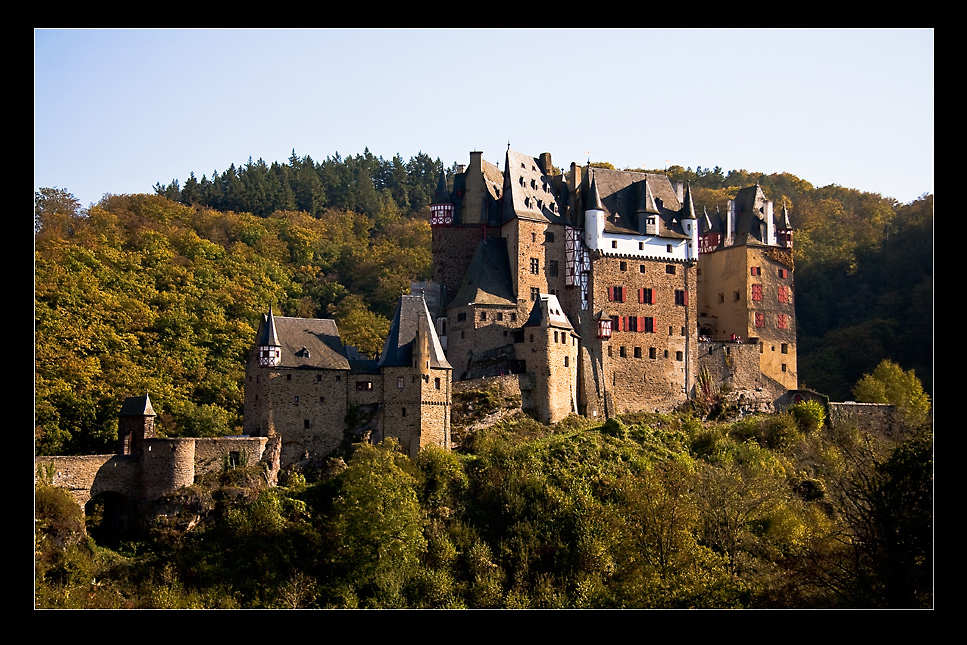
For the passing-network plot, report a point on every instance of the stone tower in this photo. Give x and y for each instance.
(135, 424)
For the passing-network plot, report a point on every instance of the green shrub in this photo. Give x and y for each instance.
(809, 415)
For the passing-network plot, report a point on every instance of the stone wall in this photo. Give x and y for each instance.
(871, 417)
(306, 408)
(163, 466)
(649, 361)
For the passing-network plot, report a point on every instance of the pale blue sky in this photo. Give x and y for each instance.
(116, 111)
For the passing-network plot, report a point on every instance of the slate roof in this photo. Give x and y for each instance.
(548, 312)
(307, 343)
(528, 192)
(750, 224)
(137, 406)
(411, 318)
(487, 280)
(626, 195)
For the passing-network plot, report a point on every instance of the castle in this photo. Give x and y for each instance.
(602, 291)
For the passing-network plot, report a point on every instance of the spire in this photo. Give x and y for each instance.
(270, 337)
(784, 223)
(594, 198)
(442, 194)
(688, 207)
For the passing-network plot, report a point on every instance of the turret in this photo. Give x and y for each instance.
(135, 424)
(690, 224)
(784, 230)
(270, 349)
(441, 207)
(593, 218)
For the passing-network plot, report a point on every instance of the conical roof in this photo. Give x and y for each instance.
(137, 406)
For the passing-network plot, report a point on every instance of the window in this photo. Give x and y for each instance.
(614, 244)
(364, 386)
(679, 356)
(535, 294)
(296, 400)
(757, 293)
(616, 294)
(399, 383)
(784, 348)
(783, 293)
(670, 269)
(621, 351)
(681, 297)
(322, 399)
(668, 248)
(436, 383)
(513, 317)
(641, 246)
(623, 266)
(566, 361)
(318, 378)
(760, 319)
(646, 296)
(483, 315)
(781, 321)
(548, 236)
(641, 268)
(535, 266)
(637, 352)
(783, 273)
(500, 315)
(652, 353)
(756, 270)
(461, 317)
(648, 323)
(552, 268)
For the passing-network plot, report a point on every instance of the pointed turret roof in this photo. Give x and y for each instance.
(441, 195)
(270, 335)
(137, 406)
(784, 223)
(594, 197)
(412, 330)
(688, 208)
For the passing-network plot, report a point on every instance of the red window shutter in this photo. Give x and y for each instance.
(610, 294)
(685, 298)
(641, 296)
(641, 323)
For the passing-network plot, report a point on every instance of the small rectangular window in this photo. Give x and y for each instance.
(535, 266)
(670, 269)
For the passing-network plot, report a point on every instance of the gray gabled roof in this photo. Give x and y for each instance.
(487, 280)
(528, 192)
(308, 343)
(625, 196)
(411, 325)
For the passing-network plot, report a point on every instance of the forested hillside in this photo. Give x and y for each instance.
(162, 293)
(643, 511)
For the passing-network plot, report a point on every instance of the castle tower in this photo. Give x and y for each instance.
(746, 285)
(270, 349)
(135, 424)
(441, 207)
(417, 380)
(549, 352)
